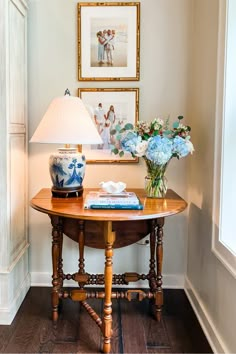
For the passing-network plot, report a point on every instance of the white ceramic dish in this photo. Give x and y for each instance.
(113, 187)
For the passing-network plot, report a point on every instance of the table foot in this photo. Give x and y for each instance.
(55, 306)
(158, 304)
(55, 316)
(158, 314)
(106, 346)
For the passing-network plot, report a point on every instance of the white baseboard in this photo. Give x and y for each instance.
(170, 281)
(7, 314)
(217, 344)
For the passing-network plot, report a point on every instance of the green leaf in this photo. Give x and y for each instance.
(118, 127)
(175, 155)
(180, 117)
(118, 137)
(113, 132)
(167, 132)
(189, 128)
(121, 153)
(128, 126)
(146, 136)
(175, 125)
(115, 151)
(129, 135)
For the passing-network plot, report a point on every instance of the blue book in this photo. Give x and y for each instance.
(101, 200)
(117, 206)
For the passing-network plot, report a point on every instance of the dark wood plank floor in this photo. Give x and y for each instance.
(134, 328)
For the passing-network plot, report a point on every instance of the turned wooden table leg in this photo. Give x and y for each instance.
(56, 254)
(159, 257)
(60, 261)
(152, 272)
(81, 250)
(109, 236)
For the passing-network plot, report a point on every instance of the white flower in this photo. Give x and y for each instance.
(141, 148)
(159, 121)
(189, 146)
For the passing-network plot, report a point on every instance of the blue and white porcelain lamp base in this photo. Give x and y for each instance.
(67, 121)
(67, 169)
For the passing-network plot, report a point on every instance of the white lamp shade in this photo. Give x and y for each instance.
(66, 121)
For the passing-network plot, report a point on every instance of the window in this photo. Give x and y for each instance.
(224, 239)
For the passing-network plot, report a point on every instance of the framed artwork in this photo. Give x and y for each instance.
(109, 108)
(109, 41)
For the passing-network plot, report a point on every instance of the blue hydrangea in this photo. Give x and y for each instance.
(130, 141)
(159, 150)
(181, 146)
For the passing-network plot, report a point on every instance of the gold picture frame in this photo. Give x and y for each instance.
(98, 101)
(108, 41)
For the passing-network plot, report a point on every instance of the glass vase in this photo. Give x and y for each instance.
(155, 181)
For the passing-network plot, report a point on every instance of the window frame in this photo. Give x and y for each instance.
(223, 253)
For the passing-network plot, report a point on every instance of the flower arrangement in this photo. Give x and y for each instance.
(157, 143)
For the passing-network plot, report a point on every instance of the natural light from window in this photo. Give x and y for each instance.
(224, 236)
(227, 234)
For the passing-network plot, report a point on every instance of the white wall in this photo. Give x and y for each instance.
(171, 83)
(211, 288)
(163, 90)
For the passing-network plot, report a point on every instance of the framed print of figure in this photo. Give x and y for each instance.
(110, 108)
(109, 41)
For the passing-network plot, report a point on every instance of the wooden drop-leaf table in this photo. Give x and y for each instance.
(107, 229)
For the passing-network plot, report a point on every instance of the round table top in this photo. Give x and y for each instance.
(74, 207)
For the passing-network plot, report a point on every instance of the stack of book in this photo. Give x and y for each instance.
(103, 200)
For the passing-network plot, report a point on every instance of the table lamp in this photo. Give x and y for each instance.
(67, 121)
